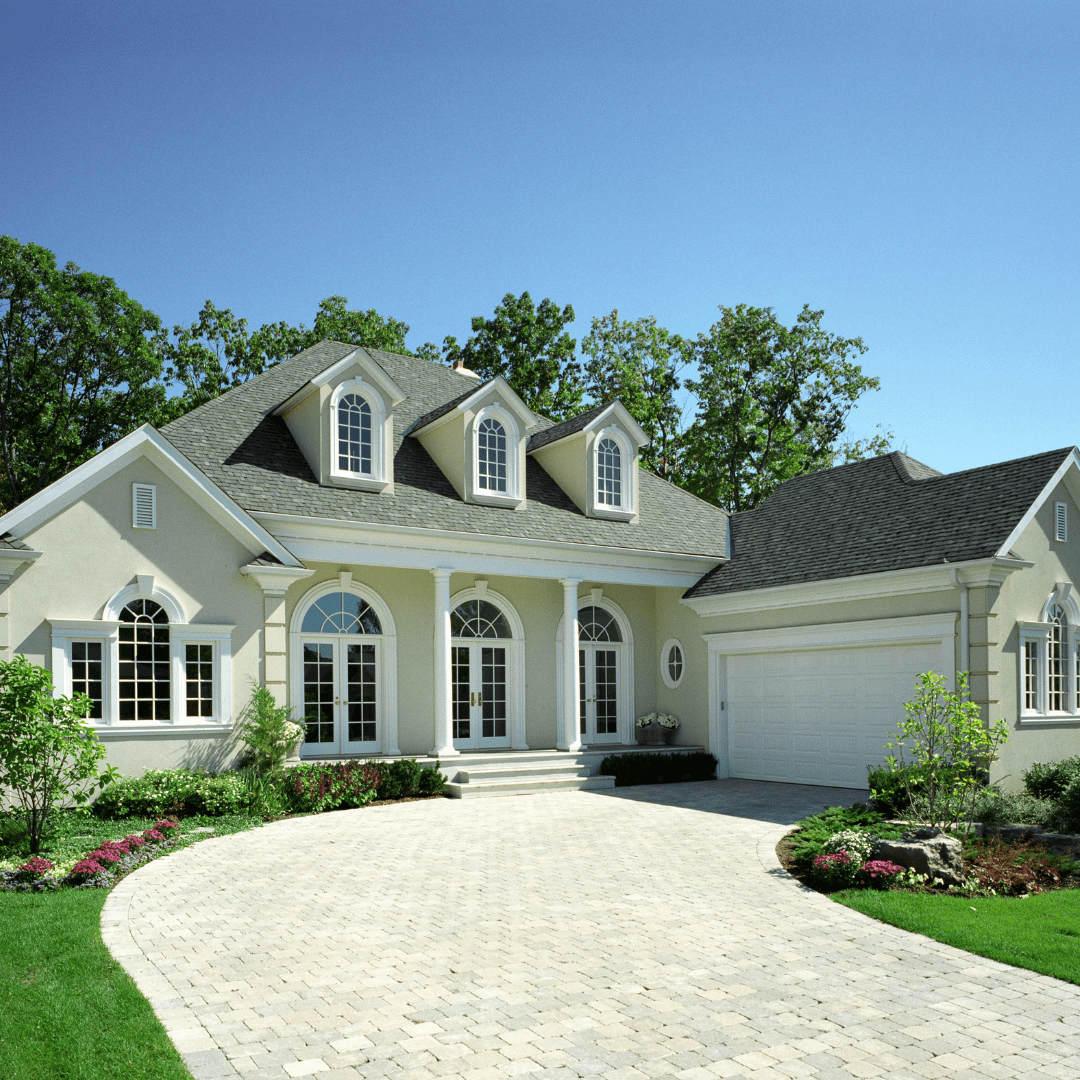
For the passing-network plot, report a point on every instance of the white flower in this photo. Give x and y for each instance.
(667, 720)
(646, 720)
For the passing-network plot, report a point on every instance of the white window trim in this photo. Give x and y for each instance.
(382, 435)
(628, 460)
(387, 742)
(670, 683)
(1039, 632)
(515, 483)
(107, 631)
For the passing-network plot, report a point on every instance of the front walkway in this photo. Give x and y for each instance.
(645, 932)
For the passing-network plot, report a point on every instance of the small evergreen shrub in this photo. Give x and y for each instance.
(1048, 780)
(398, 779)
(267, 730)
(993, 807)
(812, 837)
(630, 769)
(173, 791)
(432, 781)
(1067, 817)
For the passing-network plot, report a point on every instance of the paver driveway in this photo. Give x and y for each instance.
(647, 932)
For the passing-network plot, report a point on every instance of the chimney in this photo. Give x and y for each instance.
(461, 369)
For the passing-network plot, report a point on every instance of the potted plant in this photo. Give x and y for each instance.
(656, 728)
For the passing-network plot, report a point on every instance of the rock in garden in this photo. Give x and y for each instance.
(928, 851)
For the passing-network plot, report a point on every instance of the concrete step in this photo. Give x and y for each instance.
(506, 770)
(487, 788)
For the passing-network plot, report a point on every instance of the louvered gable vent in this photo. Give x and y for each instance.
(1061, 522)
(144, 506)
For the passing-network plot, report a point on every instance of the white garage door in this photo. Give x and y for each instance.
(819, 716)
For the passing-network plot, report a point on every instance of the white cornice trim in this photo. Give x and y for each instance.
(1072, 460)
(915, 629)
(11, 560)
(919, 579)
(275, 580)
(369, 544)
(358, 357)
(148, 443)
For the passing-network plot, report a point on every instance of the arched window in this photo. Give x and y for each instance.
(1050, 659)
(491, 455)
(340, 613)
(609, 478)
(145, 685)
(1055, 660)
(479, 619)
(597, 624)
(354, 434)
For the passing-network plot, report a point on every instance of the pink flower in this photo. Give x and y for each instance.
(135, 841)
(36, 865)
(841, 858)
(103, 855)
(153, 834)
(881, 868)
(87, 867)
(165, 825)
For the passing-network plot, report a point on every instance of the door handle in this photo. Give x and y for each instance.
(479, 699)
(472, 699)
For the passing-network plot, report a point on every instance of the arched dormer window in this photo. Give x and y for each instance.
(612, 468)
(1049, 657)
(360, 437)
(354, 435)
(496, 458)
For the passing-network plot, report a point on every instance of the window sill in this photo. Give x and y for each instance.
(486, 498)
(359, 483)
(612, 514)
(134, 727)
(1048, 718)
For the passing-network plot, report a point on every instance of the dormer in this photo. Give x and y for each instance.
(478, 440)
(594, 459)
(343, 422)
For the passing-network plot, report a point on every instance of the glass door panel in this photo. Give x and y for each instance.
(607, 693)
(493, 693)
(319, 695)
(462, 692)
(359, 696)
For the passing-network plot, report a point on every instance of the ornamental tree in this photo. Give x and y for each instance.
(49, 755)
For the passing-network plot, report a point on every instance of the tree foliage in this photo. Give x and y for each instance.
(528, 346)
(49, 755)
(638, 362)
(217, 352)
(772, 402)
(79, 367)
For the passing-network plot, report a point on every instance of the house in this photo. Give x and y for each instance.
(421, 565)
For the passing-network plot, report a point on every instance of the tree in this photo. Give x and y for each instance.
(80, 366)
(772, 402)
(528, 346)
(638, 362)
(48, 753)
(217, 353)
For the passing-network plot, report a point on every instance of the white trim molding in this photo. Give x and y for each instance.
(1067, 471)
(380, 477)
(514, 495)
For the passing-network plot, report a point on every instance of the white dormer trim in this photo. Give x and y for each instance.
(378, 477)
(515, 459)
(498, 388)
(371, 369)
(626, 508)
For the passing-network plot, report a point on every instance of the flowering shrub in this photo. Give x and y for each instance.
(315, 788)
(174, 791)
(856, 843)
(663, 719)
(881, 872)
(836, 870)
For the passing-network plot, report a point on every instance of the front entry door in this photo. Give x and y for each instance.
(340, 700)
(478, 673)
(598, 670)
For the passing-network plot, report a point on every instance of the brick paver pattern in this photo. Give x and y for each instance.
(645, 932)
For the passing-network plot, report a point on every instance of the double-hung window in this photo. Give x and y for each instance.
(1049, 659)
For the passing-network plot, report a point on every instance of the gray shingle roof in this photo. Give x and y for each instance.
(567, 427)
(253, 458)
(886, 513)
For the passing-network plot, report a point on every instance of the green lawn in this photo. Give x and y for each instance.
(1041, 932)
(68, 1011)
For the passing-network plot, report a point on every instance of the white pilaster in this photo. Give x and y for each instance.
(444, 716)
(570, 736)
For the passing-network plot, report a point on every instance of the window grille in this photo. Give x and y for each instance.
(608, 473)
(491, 455)
(354, 435)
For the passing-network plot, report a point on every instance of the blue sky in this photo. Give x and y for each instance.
(911, 168)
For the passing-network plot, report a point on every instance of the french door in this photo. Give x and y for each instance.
(479, 676)
(341, 703)
(598, 682)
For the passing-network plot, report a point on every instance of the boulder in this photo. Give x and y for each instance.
(929, 851)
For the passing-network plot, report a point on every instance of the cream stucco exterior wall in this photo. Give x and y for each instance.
(90, 551)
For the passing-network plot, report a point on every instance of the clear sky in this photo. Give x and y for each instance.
(911, 168)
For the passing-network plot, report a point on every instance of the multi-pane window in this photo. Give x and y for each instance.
(1031, 675)
(608, 473)
(491, 454)
(145, 686)
(596, 624)
(674, 663)
(479, 619)
(86, 674)
(354, 434)
(199, 679)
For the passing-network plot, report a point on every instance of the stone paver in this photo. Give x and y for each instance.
(640, 933)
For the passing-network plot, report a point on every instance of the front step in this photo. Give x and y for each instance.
(526, 785)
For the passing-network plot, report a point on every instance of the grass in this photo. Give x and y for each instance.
(68, 1011)
(1039, 932)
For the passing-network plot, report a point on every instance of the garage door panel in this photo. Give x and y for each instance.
(819, 716)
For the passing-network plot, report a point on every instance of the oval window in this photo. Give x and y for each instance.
(672, 663)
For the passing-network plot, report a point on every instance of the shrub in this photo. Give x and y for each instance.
(49, 755)
(267, 730)
(265, 793)
(835, 870)
(890, 787)
(1049, 780)
(943, 736)
(993, 807)
(173, 791)
(809, 840)
(629, 769)
(398, 779)
(1067, 808)
(315, 788)
(218, 795)
(432, 781)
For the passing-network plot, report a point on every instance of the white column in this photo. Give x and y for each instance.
(444, 716)
(570, 736)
